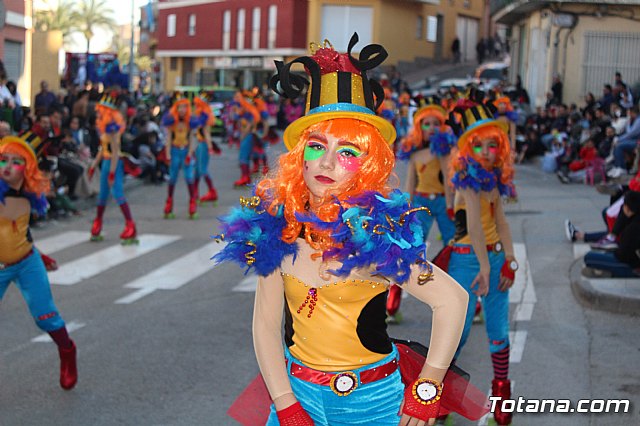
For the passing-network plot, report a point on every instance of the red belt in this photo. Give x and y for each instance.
(6, 265)
(429, 195)
(345, 382)
(497, 247)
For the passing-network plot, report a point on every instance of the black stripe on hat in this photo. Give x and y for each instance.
(476, 113)
(344, 86)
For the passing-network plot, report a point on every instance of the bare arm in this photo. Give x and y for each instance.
(167, 144)
(474, 227)
(448, 300)
(267, 338)
(114, 141)
(504, 231)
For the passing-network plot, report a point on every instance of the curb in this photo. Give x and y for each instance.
(600, 299)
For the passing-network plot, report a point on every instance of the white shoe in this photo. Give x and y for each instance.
(609, 159)
(615, 173)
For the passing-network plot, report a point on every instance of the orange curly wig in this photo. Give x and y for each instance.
(107, 116)
(504, 159)
(34, 181)
(413, 140)
(288, 188)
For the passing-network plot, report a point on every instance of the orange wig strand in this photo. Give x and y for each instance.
(414, 138)
(288, 188)
(201, 106)
(107, 116)
(504, 159)
(173, 111)
(34, 181)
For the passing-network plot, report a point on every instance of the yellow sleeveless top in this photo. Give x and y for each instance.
(180, 135)
(487, 218)
(428, 175)
(106, 147)
(338, 326)
(14, 235)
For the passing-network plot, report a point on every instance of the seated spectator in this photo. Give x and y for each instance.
(624, 262)
(605, 145)
(626, 144)
(45, 100)
(5, 129)
(619, 118)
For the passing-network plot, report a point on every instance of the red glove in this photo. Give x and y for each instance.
(506, 271)
(187, 160)
(111, 178)
(294, 415)
(91, 172)
(451, 214)
(414, 403)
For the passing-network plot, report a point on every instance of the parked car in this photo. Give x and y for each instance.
(490, 74)
(443, 86)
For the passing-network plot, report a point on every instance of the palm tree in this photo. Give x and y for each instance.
(63, 18)
(92, 14)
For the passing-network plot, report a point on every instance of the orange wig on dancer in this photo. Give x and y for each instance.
(34, 181)
(106, 116)
(289, 189)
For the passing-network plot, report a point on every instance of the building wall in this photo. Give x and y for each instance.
(44, 48)
(561, 51)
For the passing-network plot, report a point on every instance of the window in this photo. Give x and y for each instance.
(432, 28)
(226, 30)
(419, 28)
(273, 21)
(171, 25)
(340, 22)
(173, 63)
(192, 24)
(255, 28)
(240, 37)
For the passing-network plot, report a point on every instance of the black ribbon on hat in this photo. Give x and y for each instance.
(291, 86)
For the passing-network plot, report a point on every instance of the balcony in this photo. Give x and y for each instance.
(511, 11)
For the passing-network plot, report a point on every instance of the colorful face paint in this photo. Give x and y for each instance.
(313, 151)
(349, 158)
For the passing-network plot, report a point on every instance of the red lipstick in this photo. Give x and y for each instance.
(324, 179)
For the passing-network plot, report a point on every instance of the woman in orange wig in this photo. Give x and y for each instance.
(327, 235)
(482, 257)
(22, 189)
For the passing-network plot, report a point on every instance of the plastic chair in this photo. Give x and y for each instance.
(595, 166)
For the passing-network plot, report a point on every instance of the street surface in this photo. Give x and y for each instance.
(165, 339)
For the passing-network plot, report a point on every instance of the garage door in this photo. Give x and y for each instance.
(604, 54)
(467, 32)
(13, 52)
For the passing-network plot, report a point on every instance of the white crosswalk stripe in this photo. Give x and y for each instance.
(61, 241)
(91, 265)
(71, 326)
(173, 275)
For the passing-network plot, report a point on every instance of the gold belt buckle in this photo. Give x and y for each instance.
(342, 384)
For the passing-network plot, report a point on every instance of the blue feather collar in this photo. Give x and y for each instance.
(39, 204)
(476, 177)
(371, 229)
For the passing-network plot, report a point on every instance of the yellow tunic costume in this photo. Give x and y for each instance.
(429, 177)
(487, 218)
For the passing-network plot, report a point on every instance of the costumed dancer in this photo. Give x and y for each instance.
(204, 119)
(427, 147)
(266, 135)
(327, 236)
(482, 257)
(111, 125)
(22, 189)
(505, 112)
(249, 117)
(179, 149)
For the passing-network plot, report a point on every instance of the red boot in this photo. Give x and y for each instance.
(245, 179)
(193, 208)
(212, 195)
(50, 263)
(129, 232)
(68, 367)
(168, 207)
(502, 389)
(256, 166)
(96, 229)
(265, 169)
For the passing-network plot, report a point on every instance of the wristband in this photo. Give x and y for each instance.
(509, 268)
(451, 214)
(112, 176)
(294, 415)
(422, 399)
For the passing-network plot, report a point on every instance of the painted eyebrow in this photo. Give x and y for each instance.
(350, 144)
(319, 136)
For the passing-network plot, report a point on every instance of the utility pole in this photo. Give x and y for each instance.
(131, 50)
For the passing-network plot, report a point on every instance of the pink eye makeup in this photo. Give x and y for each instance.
(349, 158)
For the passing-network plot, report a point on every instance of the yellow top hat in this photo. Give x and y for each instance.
(339, 88)
(431, 105)
(29, 141)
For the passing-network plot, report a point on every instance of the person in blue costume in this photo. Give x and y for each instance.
(482, 257)
(23, 189)
(202, 121)
(327, 236)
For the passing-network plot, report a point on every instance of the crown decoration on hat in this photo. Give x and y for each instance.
(471, 113)
(204, 96)
(107, 101)
(338, 87)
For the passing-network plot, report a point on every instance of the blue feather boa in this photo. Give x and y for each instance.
(39, 204)
(476, 177)
(441, 143)
(373, 230)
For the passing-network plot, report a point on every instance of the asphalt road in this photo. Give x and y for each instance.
(165, 339)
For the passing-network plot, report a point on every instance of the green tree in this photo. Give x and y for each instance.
(63, 18)
(93, 14)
